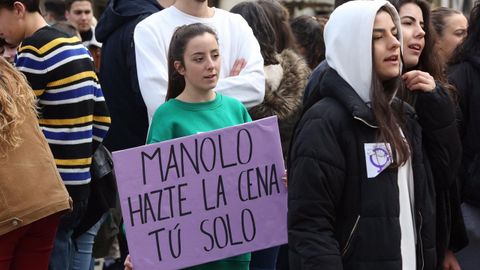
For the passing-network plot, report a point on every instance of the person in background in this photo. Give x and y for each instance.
(361, 192)
(419, 55)
(54, 11)
(118, 72)
(192, 106)
(67, 28)
(241, 76)
(72, 111)
(308, 32)
(464, 73)
(80, 14)
(118, 77)
(279, 19)
(450, 26)
(33, 196)
(286, 74)
(8, 51)
(95, 49)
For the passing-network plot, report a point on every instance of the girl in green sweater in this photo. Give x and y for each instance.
(192, 106)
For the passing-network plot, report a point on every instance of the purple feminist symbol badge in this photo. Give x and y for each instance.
(377, 158)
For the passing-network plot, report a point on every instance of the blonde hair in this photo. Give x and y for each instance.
(17, 101)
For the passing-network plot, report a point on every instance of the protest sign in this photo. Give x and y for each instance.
(203, 197)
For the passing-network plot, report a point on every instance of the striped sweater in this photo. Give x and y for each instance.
(73, 114)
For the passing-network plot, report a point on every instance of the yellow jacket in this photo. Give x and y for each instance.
(30, 186)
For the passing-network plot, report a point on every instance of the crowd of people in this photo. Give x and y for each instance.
(376, 104)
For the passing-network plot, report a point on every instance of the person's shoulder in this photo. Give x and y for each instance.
(156, 18)
(230, 101)
(167, 106)
(44, 36)
(163, 111)
(50, 41)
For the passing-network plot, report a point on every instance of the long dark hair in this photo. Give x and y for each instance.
(176, 50)
(389, 117)
(308, 32)
(279, 19)
(471, 44)
(429, 60)
(256, 18)
(389, 114)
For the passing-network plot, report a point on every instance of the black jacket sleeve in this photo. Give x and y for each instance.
(316, 178)
(437, 117)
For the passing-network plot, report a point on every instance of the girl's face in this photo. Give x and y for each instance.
(386, 47)
(9, 52)
(453, 34)
(201, 63)
(411, 18)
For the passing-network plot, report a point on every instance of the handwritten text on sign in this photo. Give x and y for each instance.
(203, 197)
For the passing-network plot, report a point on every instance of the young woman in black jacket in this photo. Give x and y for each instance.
(419, 54)
(464, 73)
(361, 189)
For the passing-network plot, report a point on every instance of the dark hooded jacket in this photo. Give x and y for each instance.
(339, 219)
(118, 73)
(466, 78)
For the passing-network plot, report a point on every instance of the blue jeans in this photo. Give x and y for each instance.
(82, 253)
(469, 257)
(61, 257)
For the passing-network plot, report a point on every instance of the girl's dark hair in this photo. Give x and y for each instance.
(30, 5)
(308, 32)
(471, 45)
(389, 114)
(176, 50)
(389, 117)
(279, 17)
(255, 16)
(438, 18)
(429, 60)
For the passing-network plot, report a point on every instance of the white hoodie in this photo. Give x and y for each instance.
(348, 42)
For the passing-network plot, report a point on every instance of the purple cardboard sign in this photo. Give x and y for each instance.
(203, 197)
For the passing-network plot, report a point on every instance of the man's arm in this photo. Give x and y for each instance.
(152, 70)
(249, 85)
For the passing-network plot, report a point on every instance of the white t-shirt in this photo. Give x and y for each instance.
(406, 197)
(236, 40)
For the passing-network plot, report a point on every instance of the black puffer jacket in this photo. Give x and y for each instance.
(118, 72)
(340, 219)
(466, 78)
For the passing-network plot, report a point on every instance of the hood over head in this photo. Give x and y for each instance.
(119, 12)
(348, 42)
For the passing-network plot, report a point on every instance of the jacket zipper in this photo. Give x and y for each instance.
(365, 122)
(420, 241)
(347, 245)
